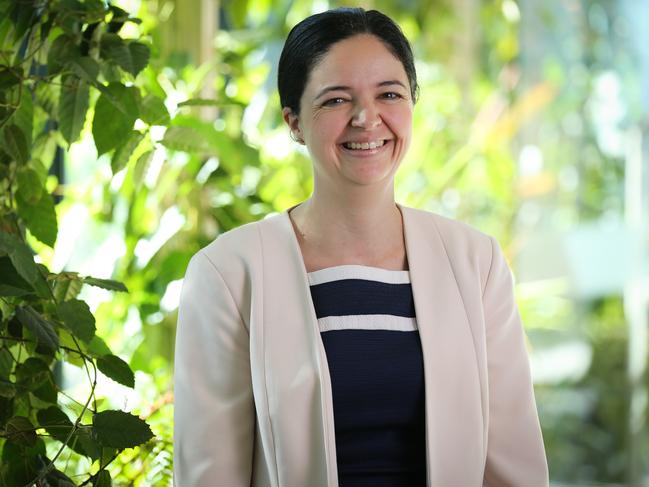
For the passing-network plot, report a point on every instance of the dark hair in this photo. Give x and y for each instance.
(310, 40)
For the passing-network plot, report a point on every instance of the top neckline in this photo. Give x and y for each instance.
(358, 271)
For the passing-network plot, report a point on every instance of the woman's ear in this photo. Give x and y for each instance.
(293, 123)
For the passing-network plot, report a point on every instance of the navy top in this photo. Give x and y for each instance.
(366, 317)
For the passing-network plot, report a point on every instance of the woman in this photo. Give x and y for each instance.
(349, 340)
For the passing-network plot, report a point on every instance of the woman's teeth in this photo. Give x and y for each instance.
(364, 145)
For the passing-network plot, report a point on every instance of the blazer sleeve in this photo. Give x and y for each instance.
(214, 409)
(515, 452)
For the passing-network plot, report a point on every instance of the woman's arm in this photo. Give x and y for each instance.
(515, 452)
(214, 412)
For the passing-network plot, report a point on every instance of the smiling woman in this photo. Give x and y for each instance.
(352, 341)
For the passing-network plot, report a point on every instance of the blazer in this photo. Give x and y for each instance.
(253, 402)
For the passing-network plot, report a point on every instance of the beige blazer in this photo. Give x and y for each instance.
(253, 404)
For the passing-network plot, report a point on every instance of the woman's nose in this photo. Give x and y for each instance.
(366, 117)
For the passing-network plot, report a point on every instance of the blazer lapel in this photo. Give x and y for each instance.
(454, 422)
(297, 376)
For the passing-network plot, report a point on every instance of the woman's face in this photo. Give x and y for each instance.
(355, 113)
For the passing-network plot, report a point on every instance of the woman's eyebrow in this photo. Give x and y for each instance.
(327, 89)
(392, 82)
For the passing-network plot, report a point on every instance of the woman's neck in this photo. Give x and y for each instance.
(351, 228)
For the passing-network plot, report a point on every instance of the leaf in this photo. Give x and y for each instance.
(118, 370)
(10, 76)
(15, 143)
(67, 285)
(55, 422)
(62, 50)
(185, 139)
(21, 257)
(85, 68)
(21, 431)
(97, 347)
(140, 54)
(7, 389)
(132, 56)
(103, 479)
(24, 116)
(35, 376)
(115, 113)
(200, 102)
(124, 152)
(73, 107)
(40, 218)
(153, 111)
(22, 463)
(106, 284)
(119, 429)
(6, 363)
(29, 185)
(11, 284)
(40, 328)
(77, 318)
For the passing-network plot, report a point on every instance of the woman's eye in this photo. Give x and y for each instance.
(334, 101)
(391, 95)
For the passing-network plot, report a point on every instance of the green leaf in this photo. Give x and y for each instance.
(21, 463)
(11, 284)
(6, 363)
(58, 425)
(97, 347)
(35, 376)
(153, 111)
(185, 139)
(40, 218)
(55, 422)
(192, 102)
(77, 318)
(29, 185)
(103, 479)
(7, 389)
(115, 112)
(106, 284)
(24, 116)
(132, 56)
(15, 143)
(67, 285)
(85, 68)
(73, 107)
(118, 429)
(124, 152)
(10, 76)
(21, 431)
(21, 257)
(62, 50)
(118, 370)
(140, 54)
(42, 329)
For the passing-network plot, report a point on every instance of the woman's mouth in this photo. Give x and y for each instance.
(364, 146)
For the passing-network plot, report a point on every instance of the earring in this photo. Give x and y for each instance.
(296, 138)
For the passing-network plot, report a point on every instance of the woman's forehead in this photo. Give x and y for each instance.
(358, 60)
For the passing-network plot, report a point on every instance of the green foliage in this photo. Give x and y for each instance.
(60, 61)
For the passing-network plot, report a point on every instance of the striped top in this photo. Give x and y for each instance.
(368, 326)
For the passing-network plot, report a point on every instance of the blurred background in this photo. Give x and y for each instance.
(532, 125)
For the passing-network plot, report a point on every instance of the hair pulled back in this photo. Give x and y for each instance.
(311, 39)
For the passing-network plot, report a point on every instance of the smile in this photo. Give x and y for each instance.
(375, 144)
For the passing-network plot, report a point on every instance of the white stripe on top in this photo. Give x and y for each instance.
(367, 322)
(355, 271)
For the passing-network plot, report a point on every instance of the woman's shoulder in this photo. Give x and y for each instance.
(240, 246)
(450, 230)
